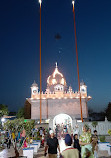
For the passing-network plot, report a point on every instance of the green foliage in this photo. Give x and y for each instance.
(18, 125)
(20, 113)
(86, 126)
(14, 125)
(109, 132)
(3, 110)
(90, 111)
(102, 138)
(108, 112)
(94, 124)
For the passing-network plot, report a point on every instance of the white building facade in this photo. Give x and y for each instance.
(58, 99)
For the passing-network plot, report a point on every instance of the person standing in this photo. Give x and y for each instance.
(56, 131)
(76, 144)
(13, 136)
(52, 145)
(69, 152)
(85, 142)
(95, 143)
(8, 142)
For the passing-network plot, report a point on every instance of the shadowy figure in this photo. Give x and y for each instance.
(69, 152)
(76, 144)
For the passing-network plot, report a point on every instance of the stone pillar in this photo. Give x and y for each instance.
(51, 123)
(74, 121)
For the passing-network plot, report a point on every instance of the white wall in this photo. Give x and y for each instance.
(102, 127)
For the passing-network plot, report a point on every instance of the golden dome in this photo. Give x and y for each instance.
(56, 78)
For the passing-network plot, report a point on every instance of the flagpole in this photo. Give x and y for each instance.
(73, 2)
(40, 2)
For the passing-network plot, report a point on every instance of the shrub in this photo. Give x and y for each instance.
(102, 138)
(109, 132)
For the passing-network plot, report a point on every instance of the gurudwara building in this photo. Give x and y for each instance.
(60, 104)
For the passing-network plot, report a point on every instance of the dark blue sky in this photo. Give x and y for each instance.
(19, 47)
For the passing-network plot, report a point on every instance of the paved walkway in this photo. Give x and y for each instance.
(8, 153)
(40, 153)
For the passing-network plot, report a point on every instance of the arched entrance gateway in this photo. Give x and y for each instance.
(62, 124)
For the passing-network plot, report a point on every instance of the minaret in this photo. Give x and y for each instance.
(34, 89)
(83, 88)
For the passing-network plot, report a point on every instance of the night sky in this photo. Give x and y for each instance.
(19, 47)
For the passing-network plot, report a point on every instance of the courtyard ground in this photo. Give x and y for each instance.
(8, 153)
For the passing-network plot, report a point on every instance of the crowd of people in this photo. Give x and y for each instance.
(76, 146)
(84, 146)
(7, 138)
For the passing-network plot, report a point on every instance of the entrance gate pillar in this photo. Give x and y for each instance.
(51, 123)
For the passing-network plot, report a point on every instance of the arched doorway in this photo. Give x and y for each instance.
(62, 124)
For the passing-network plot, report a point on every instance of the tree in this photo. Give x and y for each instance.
(20, 113)
(108, 112)
(3, 110)
(17, 126)
(90, 111)
(94, 124)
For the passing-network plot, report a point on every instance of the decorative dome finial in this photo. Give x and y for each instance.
(34, 84)
(56, 64)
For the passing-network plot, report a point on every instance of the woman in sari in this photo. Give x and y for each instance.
(85, 142)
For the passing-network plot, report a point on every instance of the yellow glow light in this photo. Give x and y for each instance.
(54, 81)
(62, 81)
(48, 80)
(73, 2)
(56, 72)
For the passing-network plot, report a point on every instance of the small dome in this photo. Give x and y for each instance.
(34, 84)
(82, 83)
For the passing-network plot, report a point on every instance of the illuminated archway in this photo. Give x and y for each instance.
(62, 119)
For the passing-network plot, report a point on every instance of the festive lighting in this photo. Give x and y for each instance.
(57, 72)
(62, 81)
(3, 119)
(79, 120)
(54, 81)
(61, 118)
(48, 79)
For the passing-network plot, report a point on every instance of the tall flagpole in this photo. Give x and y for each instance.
(73, 2)
(40, 2)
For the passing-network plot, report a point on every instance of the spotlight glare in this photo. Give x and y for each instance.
(73, 2)
(40, 1)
